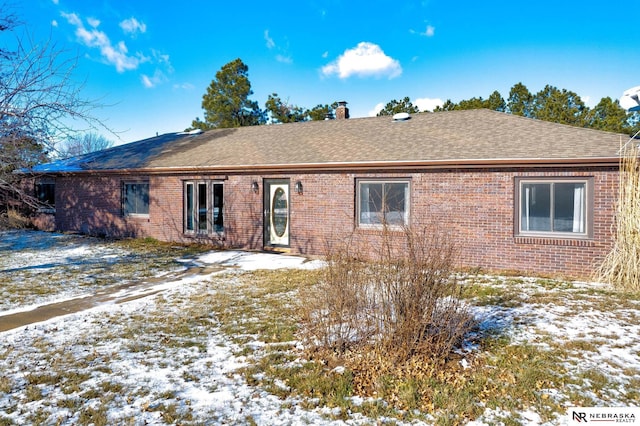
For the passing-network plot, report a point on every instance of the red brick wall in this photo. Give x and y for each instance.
(474, 207)
(92, 205)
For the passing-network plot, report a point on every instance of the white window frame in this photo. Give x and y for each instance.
(124, 198)
(213, 211)
(583, 207)
(382, 222)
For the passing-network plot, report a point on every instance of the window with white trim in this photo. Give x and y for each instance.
(382, 203)
(555, 207)
(135, 198)
(203, 207)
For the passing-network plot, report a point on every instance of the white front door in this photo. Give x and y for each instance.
(277, 213)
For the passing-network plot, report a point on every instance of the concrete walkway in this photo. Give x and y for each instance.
(110, 295)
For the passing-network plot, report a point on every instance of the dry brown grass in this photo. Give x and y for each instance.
(621, 267)
(13, 219)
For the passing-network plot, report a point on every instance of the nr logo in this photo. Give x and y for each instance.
(579, 416)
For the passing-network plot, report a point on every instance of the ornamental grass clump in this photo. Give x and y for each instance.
(621, 266)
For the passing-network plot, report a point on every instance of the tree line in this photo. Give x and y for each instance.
(556, 105)
(226, 103)
(549, 104)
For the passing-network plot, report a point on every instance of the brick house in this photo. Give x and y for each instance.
(514, 193)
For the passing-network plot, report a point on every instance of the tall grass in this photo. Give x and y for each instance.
(621, 266)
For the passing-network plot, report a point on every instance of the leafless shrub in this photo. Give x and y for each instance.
(335, 310)
(401, 303)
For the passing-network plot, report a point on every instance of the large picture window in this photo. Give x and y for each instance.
(135, 198)
(557, 207)
(203, 206)
(382, 203)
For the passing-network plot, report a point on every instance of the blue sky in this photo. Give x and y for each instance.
(151, 61)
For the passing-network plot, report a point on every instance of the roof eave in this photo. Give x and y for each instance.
(367, 166)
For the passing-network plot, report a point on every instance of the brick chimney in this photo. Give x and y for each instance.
(342, 112)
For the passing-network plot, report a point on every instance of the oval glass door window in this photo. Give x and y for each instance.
(279, 212)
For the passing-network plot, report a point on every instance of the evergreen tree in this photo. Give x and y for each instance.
(395, 107)
(608, 115)
(322, 112)
(283, 112)
(520, 101)
(473, 103)
(495, 102)
(226, 102)
(447, 106)
(559, 106)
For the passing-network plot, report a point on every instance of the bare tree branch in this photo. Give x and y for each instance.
(83, 144)
(41, 104)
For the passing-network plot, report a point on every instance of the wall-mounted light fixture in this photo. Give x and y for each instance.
(298, 188)
(254, 186)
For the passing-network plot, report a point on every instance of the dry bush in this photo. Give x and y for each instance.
(402, 303)
(419, 308)
(621, 266)
(335, 311)
(13, 219)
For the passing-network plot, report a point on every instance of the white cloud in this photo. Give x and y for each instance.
(133, 26)
(146, 81)
(116, 55)
(428, 104)
(284, 59)
(72, 18)
(376, 109)
(283, 55)
(430, 31)
(95, 23)
(157, 78)
(161, 59)
(270, 43)
(160, 74)
(55, 1)
(183, 86)
(364, 60)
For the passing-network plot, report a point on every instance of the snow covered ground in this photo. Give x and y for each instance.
(122, 361)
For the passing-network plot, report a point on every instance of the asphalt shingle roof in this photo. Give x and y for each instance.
(452, 137)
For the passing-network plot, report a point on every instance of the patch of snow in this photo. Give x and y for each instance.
(250, 261)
